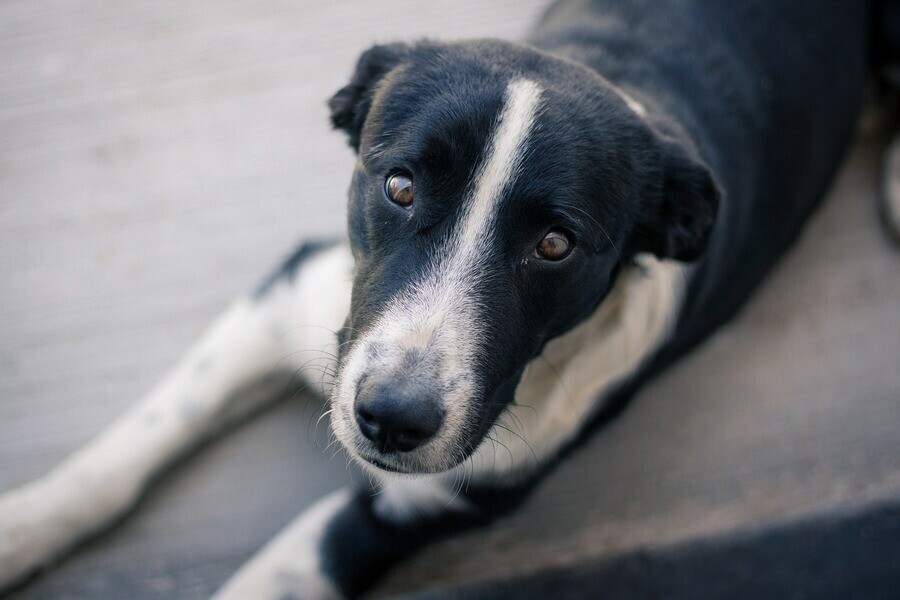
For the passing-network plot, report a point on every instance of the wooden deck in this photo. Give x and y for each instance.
(157, 158)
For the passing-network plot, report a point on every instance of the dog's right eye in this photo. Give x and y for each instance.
(399, 188)
(555, 246)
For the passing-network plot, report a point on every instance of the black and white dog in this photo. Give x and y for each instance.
(534, 230)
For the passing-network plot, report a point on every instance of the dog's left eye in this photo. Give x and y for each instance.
(399, 188)
(554, 246)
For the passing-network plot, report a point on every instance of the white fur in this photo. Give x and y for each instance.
(313, 307)
(290, 564)
(633, 104)
(438, 315)
(229, 373)
(402, 499)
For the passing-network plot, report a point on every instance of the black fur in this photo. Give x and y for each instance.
(350, 105)
(359, 546)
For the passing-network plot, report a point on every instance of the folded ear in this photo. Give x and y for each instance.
(350, 105)
(679, 222)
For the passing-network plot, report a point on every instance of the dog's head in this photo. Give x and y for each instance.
(497, 193)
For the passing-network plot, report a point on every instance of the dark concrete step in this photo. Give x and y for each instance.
(847, 554)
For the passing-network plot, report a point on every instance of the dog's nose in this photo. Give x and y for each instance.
(395, 416)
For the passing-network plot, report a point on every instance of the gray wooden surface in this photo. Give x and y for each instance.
(156, 158)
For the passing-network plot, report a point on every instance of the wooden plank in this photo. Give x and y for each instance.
(157, 158)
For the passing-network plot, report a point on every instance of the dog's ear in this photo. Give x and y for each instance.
(678, 223)
(350, 105)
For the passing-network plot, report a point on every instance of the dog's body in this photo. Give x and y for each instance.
(586, 210)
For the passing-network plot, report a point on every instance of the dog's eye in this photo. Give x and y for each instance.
(399, 188)
(556, 245)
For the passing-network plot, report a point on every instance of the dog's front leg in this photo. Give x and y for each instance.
(246, 358)
(347, 540)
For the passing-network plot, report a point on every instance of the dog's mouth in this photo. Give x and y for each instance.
(423, 461)
(384, 466)
(389, 464)
(406, 466)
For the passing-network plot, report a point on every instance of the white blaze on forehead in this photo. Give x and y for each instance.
(502, 160)
(443, 298)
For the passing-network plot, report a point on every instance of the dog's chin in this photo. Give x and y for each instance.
(401, 465)
(383, 465)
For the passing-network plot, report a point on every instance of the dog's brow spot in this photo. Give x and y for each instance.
(634, 105)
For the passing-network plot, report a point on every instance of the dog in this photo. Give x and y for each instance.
(535, 230)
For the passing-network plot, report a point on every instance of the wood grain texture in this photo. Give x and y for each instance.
(157, 158)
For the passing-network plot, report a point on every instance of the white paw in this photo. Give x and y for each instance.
(289, 565)
(27, 533)
(41, 520)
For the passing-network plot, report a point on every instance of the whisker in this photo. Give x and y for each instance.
(512, 460)
(521, 437)
(518, 420)
(319, 420)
